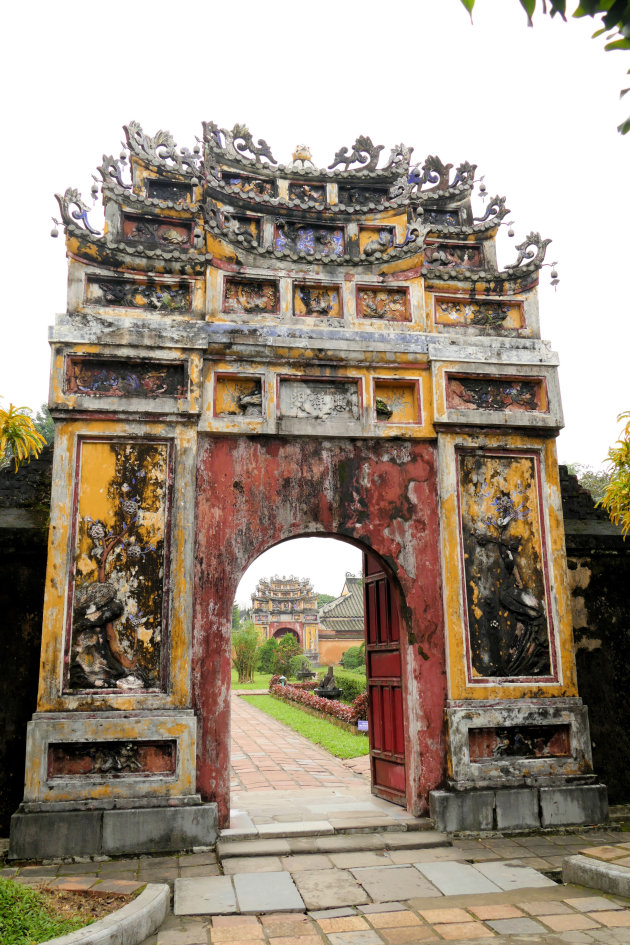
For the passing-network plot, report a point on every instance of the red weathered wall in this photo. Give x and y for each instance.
(253, 493)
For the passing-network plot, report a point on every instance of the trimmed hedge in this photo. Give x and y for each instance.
(353, 684)
(346, 713)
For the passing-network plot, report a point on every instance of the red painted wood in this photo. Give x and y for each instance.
(384, 684)
(253, 492)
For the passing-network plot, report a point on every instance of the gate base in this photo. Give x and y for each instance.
(39, 835)
(519, 808)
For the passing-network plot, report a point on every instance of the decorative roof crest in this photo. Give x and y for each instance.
(237, 144)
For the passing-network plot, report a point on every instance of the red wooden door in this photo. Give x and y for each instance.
(384, 684)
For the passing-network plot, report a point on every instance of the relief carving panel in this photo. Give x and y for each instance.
(303, 192)
(319, 400)
(108, 377)
(487, 314)
(519, 741)
(114, 759)
(255, 186)
(119, 611)
(157, 230)
(155, 296)
(383, 303)
(457, 255)
(251, 297)
(238, 396)
(504, 567)
(396, 401)
(309, 239)
(317, 301)
(494, 393)
(174, 191)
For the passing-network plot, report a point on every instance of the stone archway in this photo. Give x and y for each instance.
(380, 496)
(283, 631)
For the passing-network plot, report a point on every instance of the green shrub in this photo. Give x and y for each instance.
(287, 648)
(354, 658)
(352, 683)
(295, 664)
(245, 649)
(267, 655)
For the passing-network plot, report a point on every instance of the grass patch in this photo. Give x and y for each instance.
(337, 741)
(27, 916)
(261, 681)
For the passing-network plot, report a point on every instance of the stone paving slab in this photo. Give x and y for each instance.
(207, 895)
(327, 889)
(456, 878)
(267, 892)
(302, 828)
(512, 876)
(393, 883)
(252, 864)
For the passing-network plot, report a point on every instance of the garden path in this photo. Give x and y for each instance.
(268, 756)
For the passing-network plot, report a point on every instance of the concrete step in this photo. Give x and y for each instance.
(331, 843)
(244, 829)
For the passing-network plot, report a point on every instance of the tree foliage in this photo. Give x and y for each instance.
(616, 499)
(594, 480)
(354, 657)
(267, 656)
(324, 599)
(19, 437)
(245, 649)
(288, 647)
(236, 618)
(615, 22)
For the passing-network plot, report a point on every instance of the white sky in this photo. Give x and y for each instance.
(535, 109)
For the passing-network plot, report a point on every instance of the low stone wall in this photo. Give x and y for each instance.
(598, 560)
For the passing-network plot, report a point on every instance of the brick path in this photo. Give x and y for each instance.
(266, 755)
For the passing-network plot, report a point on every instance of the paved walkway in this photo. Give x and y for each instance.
(351, 882)
(266, 755)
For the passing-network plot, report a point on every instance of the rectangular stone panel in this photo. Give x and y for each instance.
(238, 396)
(521, 395)
(251, 296)
(111, 759)
(356, 195)
(151, 295)
(486, 313)
(383, 303)
(248, 185)
(174, 191)
(520, 741)
(240, 223)
(119, 613)
(396, 401)
(156, 230)
(303, 192)
(376, 239)
(505, 586)
(308, 238)
(450, 255)
(113, 377)
(314, 300)
(320, 400)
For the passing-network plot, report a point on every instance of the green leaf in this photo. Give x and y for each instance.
(559, 6)
(618, 44)
(623, 92)
(599, 32)
(616, 14)
(624, 127)
(529, 6)
(469, 4)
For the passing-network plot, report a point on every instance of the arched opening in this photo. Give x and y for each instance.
(282, 632)
(379, 497)
(357, 606)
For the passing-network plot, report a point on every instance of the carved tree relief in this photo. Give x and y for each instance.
(118, 614)
(508, 623)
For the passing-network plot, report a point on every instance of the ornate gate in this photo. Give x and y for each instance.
(253, 351)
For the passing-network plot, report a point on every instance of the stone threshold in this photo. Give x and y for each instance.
(328, 841)
(352, 824)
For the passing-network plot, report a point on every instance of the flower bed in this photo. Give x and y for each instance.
(350, 714)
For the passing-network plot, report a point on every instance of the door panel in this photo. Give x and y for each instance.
(384, 684)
